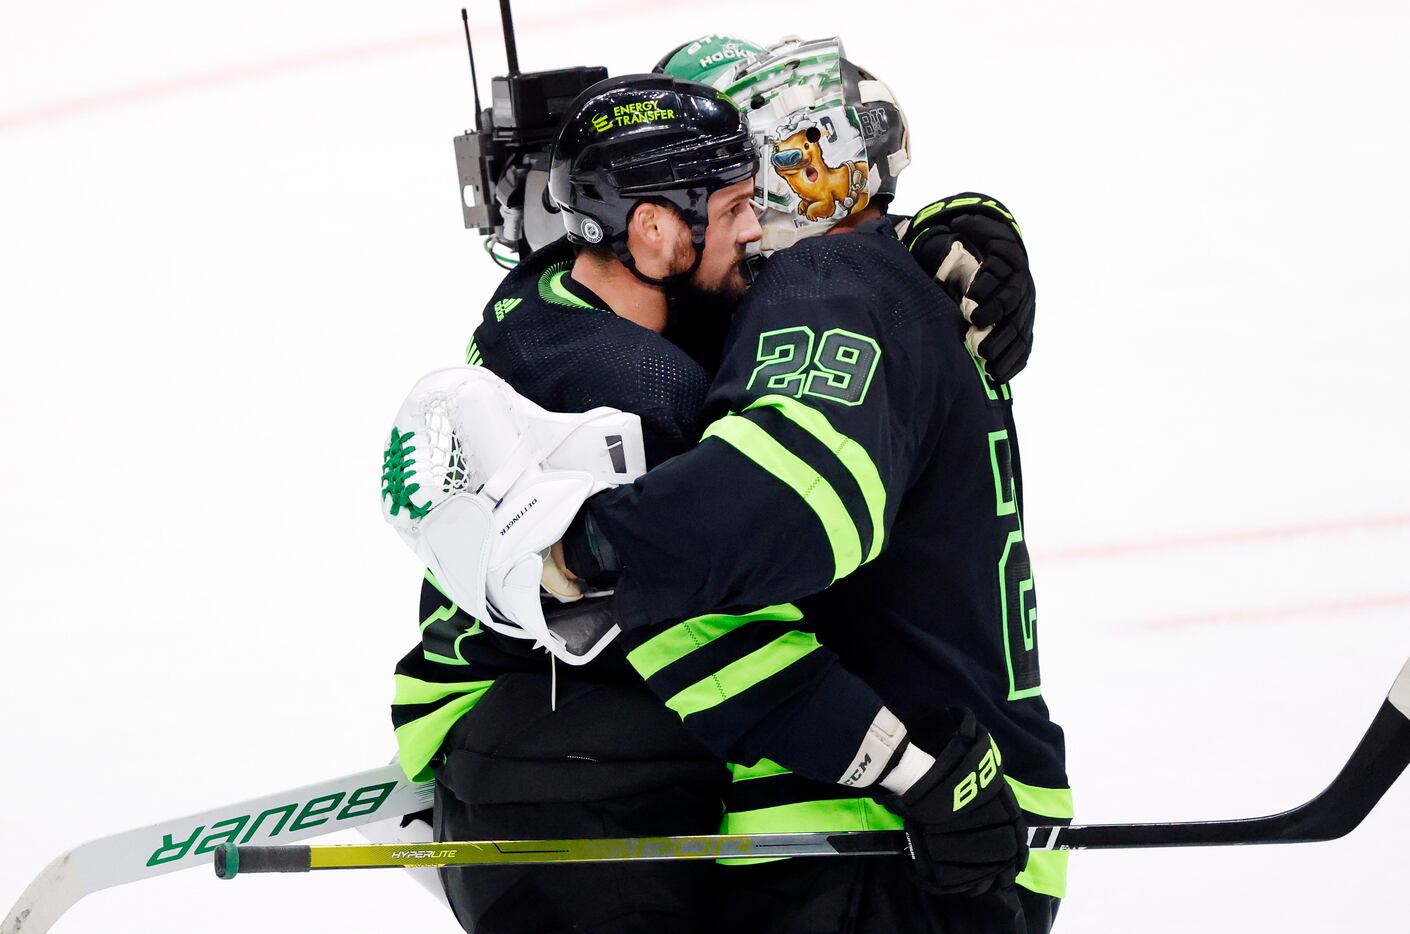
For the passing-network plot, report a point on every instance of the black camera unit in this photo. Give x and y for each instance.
(503, 162)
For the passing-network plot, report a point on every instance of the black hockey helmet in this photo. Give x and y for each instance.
(645, 136)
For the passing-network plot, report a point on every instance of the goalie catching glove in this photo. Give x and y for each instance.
(480, 482)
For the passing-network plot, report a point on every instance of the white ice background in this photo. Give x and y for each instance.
(229, 243)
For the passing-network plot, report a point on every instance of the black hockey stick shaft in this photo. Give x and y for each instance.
(1379, 759)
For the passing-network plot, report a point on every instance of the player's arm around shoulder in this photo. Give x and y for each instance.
(815, 422)
(973, 247)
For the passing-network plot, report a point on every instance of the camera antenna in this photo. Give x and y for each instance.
(474, 82)
(511, 52)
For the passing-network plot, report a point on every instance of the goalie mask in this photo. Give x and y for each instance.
(480, 482)
(831, 138)
(703, 59)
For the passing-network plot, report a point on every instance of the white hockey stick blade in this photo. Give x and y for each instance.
(1400, 692)
(185, 842)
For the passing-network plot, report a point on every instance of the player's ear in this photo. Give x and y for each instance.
(644, 235)
(645, 224)
(652, 231)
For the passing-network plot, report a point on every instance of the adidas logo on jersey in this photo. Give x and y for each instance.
(504, 306)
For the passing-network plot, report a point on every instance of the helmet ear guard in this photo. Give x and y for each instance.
(584, 228)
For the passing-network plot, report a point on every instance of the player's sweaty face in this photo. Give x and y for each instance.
(733, 224)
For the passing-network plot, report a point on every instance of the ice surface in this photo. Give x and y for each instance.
(229, 243)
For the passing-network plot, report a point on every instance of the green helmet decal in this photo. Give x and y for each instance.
(702, 59)
(631, 113)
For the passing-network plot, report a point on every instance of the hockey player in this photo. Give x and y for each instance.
(577, 325)
(775, 594)
(968, 242)
(574, 327)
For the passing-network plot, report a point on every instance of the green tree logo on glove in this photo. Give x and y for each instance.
(396, 471)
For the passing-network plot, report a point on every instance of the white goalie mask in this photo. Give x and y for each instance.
(831, 138)
(480, 483)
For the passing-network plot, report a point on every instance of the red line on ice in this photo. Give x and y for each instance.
(157, 89)
(1281, 613)
(143, 92)
(1326, 527)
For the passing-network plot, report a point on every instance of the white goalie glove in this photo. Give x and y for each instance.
(480, 482)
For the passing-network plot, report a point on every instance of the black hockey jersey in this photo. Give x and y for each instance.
(859, 481)
(556, 343)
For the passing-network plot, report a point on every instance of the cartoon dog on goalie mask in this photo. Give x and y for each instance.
(820, 187)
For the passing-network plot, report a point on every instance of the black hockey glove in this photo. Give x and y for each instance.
(966, 832)
(972, 246)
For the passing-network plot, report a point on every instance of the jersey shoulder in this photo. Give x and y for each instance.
(849, 324)
(557, 343)
(867, 270)
(536, 283)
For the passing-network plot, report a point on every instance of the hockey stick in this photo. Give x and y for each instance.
(231, 860)
(1376, 763)
(325, 807)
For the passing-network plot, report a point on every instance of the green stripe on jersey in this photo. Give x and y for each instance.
(989, 389)
(759, 446)
(415, 691)
(741, 675)
(420, 740)
(431, 579)
(1045, 802)
(761, 769)
(668, 647)
(1046, 873)
(852, 455)
(830, 816)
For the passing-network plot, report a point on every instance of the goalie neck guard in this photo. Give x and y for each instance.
(831, 138)
(642, 137)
